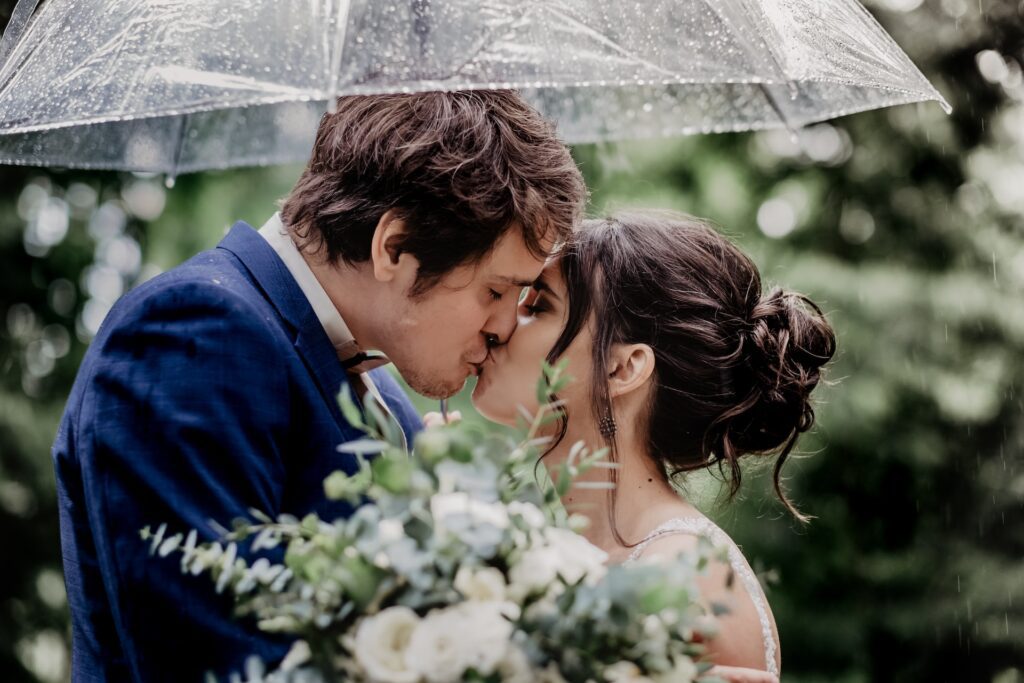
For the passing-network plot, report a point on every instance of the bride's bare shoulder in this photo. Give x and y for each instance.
(740, 641)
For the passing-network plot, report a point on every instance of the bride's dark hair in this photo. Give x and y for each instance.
(734, 367)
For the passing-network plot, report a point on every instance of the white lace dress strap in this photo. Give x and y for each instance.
(702, 526)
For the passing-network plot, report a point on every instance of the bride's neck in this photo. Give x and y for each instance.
(642, 497)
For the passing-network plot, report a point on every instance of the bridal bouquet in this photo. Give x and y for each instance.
(457, 566)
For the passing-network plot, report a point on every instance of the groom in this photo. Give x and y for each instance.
(211, 389)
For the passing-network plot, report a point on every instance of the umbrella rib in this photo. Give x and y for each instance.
(486, 40)
(16, 27)
(610, 43)
(773, 101)
(340, 29)
(179, 147)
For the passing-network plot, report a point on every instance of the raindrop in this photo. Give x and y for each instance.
(61, 295)
(776, 218)
(58, 338)
(779, 143)
(145, 199)
(955, 8)
(856, 224)
(32, 196)
(40, 358)
(122, 253)
(82, 199)
(50, 587)
(826, 144)
(50, 224)
(93, 313)
(148, 271)
(21, 320)
(992, 66)
(44, 654)
(901, 5)
(103, 282)
(107, 221)
(16, 498)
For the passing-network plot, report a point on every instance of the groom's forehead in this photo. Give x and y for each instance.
(511, 262)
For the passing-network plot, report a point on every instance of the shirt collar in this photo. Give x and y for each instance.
(345, 345)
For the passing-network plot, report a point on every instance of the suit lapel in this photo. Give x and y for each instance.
(286, 296)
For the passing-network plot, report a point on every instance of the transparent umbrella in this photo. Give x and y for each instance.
(176, 86)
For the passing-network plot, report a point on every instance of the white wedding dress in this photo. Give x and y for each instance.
(701, 526)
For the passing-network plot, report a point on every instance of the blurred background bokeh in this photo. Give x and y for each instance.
(906, 225)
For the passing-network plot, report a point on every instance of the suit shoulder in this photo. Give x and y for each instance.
(210, 281)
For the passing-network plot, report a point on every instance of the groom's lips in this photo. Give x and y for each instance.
(478, 367)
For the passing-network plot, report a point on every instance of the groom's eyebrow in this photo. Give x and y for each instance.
(515, 281)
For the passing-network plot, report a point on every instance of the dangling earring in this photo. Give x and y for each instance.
(608, 426)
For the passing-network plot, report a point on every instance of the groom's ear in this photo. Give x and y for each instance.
(386, 255)
(629, 368)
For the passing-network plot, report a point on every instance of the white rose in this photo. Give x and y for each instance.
(444, 505)
(559, 552)
(491, 634)
(551, 674)
(515, 667)
(621, 672)
(535, 572)
(447, 642)
(530, 513)
(577, 557)
(390, 530)
(485, 584)
(298, 655)
(683, 671)
(381, 644)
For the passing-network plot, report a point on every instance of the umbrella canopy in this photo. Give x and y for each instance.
(183, 85)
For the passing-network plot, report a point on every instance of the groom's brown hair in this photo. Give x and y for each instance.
(461, 169)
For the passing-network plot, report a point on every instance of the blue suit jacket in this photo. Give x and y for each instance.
(209, 390)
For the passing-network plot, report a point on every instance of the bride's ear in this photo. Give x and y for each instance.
(386, 256)
(629, 368)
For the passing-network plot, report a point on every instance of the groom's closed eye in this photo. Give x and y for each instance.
(498, 296)
(508, 284)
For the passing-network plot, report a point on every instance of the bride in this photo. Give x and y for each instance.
(680, 362)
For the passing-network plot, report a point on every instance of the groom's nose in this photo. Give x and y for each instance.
(501, 325)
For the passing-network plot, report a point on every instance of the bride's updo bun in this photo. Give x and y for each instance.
(734, 366)
(786, 344)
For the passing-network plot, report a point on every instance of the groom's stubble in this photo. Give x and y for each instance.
(438, 338)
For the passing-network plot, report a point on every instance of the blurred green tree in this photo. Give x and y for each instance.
(908, 226)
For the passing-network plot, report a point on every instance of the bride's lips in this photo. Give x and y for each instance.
(482, 365)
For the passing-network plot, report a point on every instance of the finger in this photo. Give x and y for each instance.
(454, 416)
(433, 419)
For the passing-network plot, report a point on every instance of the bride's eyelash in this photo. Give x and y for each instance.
(496, 296)
(536, 307)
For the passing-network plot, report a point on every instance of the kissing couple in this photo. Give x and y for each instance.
(442, 233)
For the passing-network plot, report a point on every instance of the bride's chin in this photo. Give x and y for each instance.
(492, 413)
